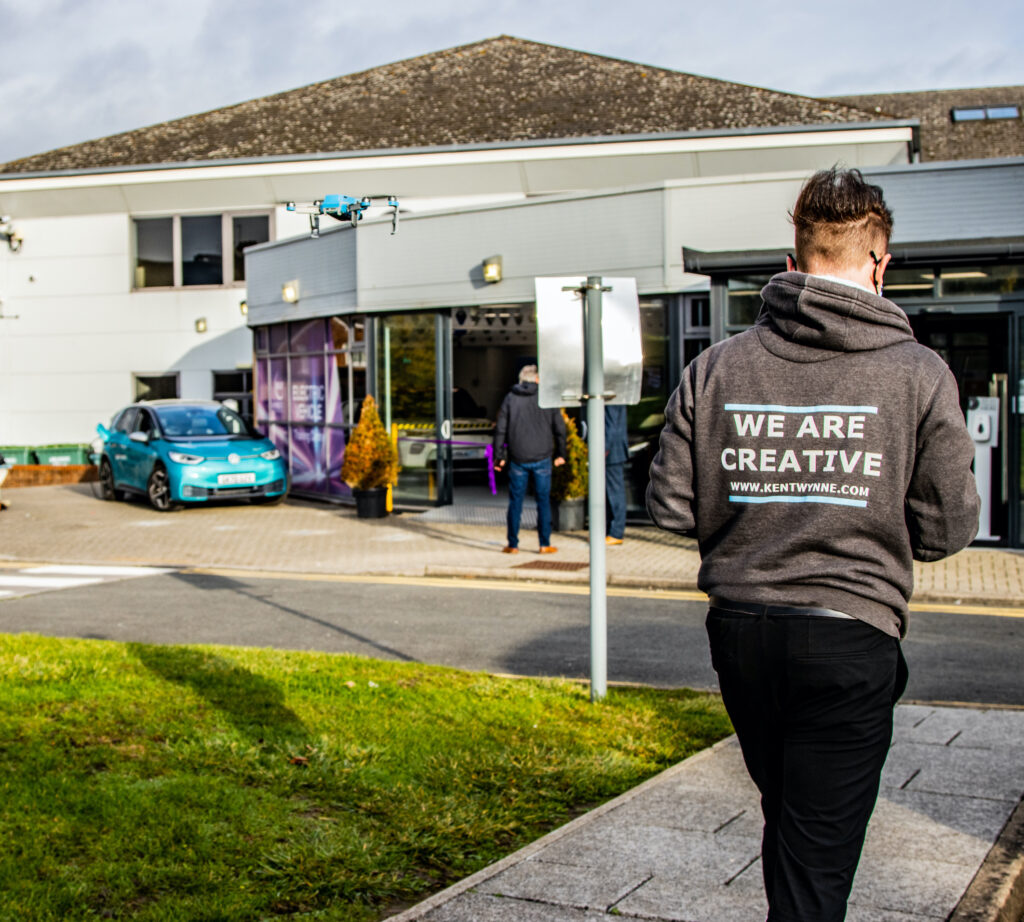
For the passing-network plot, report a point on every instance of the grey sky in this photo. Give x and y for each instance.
(71, 70)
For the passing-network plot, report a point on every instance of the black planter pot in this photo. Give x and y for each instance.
(569, 514)
(371, 504)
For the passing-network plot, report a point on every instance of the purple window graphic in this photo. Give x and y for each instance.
(307, 416)
(297, 398)
(262, 393)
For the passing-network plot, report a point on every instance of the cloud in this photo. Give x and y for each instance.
(71, 70)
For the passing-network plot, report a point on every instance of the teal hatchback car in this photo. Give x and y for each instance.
(188, 451)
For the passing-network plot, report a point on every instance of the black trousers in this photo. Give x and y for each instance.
(811, 699)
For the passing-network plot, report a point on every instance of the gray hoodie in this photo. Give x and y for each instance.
(815, 455)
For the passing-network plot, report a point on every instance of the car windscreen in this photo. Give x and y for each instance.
(201, 422)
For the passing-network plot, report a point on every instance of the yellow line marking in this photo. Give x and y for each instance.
(951, 608)
(514, 585)
(439, 582)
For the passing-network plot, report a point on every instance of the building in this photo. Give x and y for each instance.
(131, 279)
(411, 318)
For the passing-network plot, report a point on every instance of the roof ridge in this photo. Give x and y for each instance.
(551, 91)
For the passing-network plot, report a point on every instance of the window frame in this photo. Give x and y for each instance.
(227, 247)
(984, 113)
(137, 375)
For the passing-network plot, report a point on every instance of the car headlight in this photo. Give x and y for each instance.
(179, 457)
(271, 455)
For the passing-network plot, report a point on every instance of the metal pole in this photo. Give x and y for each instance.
(594, 363)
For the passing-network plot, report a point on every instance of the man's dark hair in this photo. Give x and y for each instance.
(839, 218)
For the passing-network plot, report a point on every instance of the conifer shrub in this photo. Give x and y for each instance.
(569, 481)
(370, 458)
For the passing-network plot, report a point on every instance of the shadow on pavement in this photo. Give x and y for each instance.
(667, 653)
(212, 582)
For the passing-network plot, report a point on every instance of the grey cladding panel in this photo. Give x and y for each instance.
(325, 269)
(961, 204)
(442, 254)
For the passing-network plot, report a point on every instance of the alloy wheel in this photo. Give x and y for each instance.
(159, 490)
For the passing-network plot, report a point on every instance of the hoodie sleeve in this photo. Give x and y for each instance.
(558, 431)
(942, 501)
(501, 431)
(670, 493)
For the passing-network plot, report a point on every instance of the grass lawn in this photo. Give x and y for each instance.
(218, 783)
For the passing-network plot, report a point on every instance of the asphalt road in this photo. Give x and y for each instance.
(519, 629)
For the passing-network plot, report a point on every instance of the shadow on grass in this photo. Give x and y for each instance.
(253, 705)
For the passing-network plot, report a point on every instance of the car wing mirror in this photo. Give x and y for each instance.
(104, 432)
(139, 437)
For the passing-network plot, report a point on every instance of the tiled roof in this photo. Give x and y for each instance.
(501, 89)
(941, 137)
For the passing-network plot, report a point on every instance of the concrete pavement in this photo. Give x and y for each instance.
(947, 838)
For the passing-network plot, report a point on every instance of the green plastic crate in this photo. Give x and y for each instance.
(17, 454)
(62, 454)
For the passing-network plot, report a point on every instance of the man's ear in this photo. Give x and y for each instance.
(790, 263)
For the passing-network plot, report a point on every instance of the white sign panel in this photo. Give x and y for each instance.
(560, 339)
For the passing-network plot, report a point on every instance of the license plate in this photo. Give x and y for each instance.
(226, 480)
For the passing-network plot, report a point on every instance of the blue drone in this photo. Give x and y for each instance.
(342, 208)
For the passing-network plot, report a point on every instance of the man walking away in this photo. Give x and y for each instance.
(616, 441)
(527, 436)
(814, 457)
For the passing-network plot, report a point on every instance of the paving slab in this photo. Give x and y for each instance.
(685, 846)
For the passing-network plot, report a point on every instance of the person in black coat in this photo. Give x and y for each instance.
(525, 438)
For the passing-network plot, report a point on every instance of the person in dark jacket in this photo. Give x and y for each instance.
(616, 443)
(525, 438)
(815, 456)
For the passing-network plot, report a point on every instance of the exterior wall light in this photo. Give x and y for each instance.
(8, 233)
(290, 292)
(492, 269)
(243, 307)
(200, 324)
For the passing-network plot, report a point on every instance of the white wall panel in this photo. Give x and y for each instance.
(73, 235)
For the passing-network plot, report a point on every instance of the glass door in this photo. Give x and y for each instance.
(409, 366)
(977, 347)
(1017, 430)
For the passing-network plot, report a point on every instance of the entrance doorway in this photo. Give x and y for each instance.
(489, 347)
(977, 347)
(408, 386)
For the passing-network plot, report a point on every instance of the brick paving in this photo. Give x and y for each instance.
(70, 524)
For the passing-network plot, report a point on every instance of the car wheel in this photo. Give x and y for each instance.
(158, 489)
(107, 488)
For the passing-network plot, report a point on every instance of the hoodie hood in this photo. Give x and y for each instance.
(806, 318)
(525, 388)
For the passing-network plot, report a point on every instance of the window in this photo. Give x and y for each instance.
(188, 250)
(696, 326)
(235, 386)
(156, 387)
(202, 255)
(125, 420)
(154, 252)
(310, 380)
(744, 302)
(984, 113)
(247, 231)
